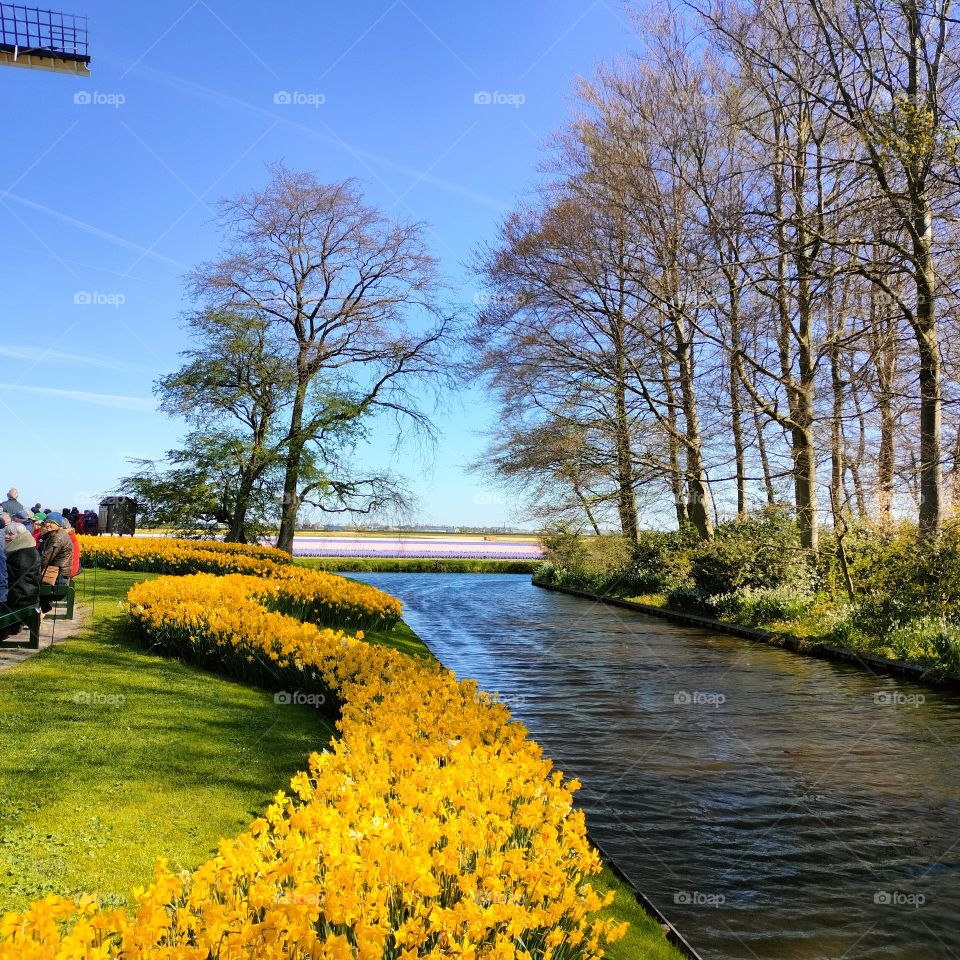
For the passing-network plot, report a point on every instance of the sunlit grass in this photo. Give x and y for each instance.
(111, 757)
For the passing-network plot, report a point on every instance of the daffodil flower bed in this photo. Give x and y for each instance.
(176, 556)
(433, 828)
(313, 595)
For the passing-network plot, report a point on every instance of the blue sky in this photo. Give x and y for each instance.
(107, 187)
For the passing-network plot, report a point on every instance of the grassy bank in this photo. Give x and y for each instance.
(111, 757)
(417, 565)
(888, 593)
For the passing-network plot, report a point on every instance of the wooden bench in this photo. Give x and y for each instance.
(58, 593)
(30, 616)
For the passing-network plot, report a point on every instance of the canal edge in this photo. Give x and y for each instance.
(670, 932)
(812, 648)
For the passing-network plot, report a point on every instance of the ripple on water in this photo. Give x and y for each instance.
(798, 818)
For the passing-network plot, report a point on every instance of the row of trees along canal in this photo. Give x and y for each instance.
(741, 265)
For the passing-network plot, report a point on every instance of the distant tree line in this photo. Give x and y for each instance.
(737, 284)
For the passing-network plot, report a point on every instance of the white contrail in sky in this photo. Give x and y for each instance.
(415, 173)
(117, 401)
(89, 228)
(42, 354)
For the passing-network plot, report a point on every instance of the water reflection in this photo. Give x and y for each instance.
(772, 805)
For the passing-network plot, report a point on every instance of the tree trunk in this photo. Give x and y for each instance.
(736, 406)
(291, 476)
(799, 388)
(585, 504)
(238, 520)
(764, 460)
(886, 365)
(626, 495)
(855, 464)
(925, 322)
(698, 499)
(837, 440)
(673, 448)
(931, 475)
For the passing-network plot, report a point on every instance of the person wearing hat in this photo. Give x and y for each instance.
(23, 571)
(56, 554)
(26, 519)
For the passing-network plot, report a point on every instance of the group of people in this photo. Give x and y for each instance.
(39, 547)
(82, 521)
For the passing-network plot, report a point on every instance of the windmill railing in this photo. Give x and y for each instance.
(36, 33)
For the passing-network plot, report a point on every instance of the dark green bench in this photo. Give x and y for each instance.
(58, 593)
(29, 616)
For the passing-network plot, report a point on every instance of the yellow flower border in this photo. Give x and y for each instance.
(434, 827)
(177, 556)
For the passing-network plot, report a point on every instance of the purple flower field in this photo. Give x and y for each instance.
(416, 547)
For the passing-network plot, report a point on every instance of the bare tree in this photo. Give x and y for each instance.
(636, 153)
(347, 291)
(556, 335)
(889, 72)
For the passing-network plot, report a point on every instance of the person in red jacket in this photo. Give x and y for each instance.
(75, 564)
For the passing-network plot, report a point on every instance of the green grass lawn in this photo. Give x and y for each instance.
(644, 939)
(111, 757)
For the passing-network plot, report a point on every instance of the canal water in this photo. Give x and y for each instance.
(771, 805)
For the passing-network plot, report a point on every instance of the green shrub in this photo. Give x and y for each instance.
(661, 561)
(901, 577)
(688, 600)
(761, 551)
(565, 549)
(755, 606)
(933, 641)
(596, 564)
